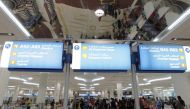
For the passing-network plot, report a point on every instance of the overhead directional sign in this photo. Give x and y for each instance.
(88, 56)
(32, 55)
(162, 57)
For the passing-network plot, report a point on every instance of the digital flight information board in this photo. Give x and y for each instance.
(88, 56)
(32, 55)
(163, 57)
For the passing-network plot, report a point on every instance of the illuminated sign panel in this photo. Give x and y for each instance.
(162, 57)
(32, 55)
(101, 56)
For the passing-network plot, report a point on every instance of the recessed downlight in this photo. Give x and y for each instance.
(30, 78)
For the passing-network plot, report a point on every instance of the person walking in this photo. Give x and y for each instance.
(28, 103)
(52, 104)
(180, 104)
(158, 103)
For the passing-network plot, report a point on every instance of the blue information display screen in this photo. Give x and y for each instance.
(101, 56)
(32, 55)
(162, 57)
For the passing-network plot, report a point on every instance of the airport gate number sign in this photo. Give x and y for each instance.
(164, 57)
(34, 55)
(101, 56)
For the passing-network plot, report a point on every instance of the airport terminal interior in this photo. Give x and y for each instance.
(94, 54)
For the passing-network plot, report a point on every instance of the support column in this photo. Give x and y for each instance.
(70, 93)
(62, 92)
(106, 94)
(111, 93)
(16, 93)
(181, 84)
(4, 78)
(103, 94)
(67, 76)
(135, 87)
(42, 88)
(57, 91)
(119, 91)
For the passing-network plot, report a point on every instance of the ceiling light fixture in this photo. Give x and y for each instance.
(181, 18)
(153, 80)
(30, 78)
(48, 88)
(144, 84)
(81, 84)
(80, 79)
(145, 79)
(146, 89)
(82, 87)
(30, 83)
(127, 88)
(155, 40)
(158, 87)
(99, 12)
(95, 84)
(11, 86)
(98, 79)
(160, 79)
(16, 78)
(14, 19)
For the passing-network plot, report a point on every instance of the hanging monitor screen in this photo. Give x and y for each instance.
(101, 56)
(162, 57)
(32, 55)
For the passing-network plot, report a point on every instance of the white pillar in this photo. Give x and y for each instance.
(4, 78)
(103, 94)
(70, 93)
(119, 91)
(57, 91)
(181, 84)
(62, 93)
(16, 93)
(106, 94)
(42, 88)
(111, 93)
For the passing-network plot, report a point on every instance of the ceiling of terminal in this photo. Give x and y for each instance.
(123, 20)
(73, 17)
(94, 4)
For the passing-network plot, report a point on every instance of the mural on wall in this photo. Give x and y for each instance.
(27, 11)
